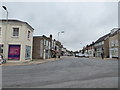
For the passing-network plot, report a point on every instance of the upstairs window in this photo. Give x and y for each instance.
(116, 42)
(0, 31)
(102, 42)
(28, 34)
(15, 32)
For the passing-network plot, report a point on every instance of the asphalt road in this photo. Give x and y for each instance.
(70, 72)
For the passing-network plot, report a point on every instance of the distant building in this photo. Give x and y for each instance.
(64, 51)
(91, 50)
(16, 39)
(102, 46)
(53, 49)
(41, 47)
(58, 48)
(114, 43)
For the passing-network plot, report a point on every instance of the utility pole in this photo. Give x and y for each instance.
(5, 43)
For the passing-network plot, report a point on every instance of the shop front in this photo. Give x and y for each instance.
(28, 52)
(14, 52)
(113, 52)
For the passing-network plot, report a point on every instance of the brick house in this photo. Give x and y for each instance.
(114, 43)
(63, 51)
(102, 46)
(91, 50)
(42, 47)
(53, 49)
(58, 49)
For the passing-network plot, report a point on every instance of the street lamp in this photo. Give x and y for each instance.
(5, 8)
(59, 33)
(60, 44)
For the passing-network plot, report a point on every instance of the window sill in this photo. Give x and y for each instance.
(28, 39)
(15, 37)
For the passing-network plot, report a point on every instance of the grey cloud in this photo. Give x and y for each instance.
(82, 22)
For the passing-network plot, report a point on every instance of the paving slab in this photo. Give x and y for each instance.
(34, 61)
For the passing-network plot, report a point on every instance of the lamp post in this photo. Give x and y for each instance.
(4, 50)
(60, 45)
(59, 33)
(4, 7)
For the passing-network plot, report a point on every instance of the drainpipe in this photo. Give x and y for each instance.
(43, 49)
(119, 44)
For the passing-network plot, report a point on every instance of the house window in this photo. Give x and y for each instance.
(44, 42)
(28, 52)
(41, 48)
(28, 34)
(15, 31)
(102, 42)
(116, 43)
(0, 31)
(112, 43)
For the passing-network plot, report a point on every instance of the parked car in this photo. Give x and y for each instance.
(76, 55)
(80, 55)
(86, 55)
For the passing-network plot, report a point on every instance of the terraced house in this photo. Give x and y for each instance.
(16, 40)
(114, 43)
(42, 47)
(102, 46)
(91, 50)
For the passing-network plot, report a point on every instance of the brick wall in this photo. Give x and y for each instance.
(106, 48)
(36, 48)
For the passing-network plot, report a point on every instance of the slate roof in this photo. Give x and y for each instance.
(43, 36)
(102, 38)
(117, 29)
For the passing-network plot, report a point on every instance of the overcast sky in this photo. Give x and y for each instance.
(83, 22)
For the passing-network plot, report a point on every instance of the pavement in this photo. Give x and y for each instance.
(40, 61)
(104, 58)
(34, 61)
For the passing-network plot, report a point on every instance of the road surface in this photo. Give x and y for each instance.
(70, 72)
